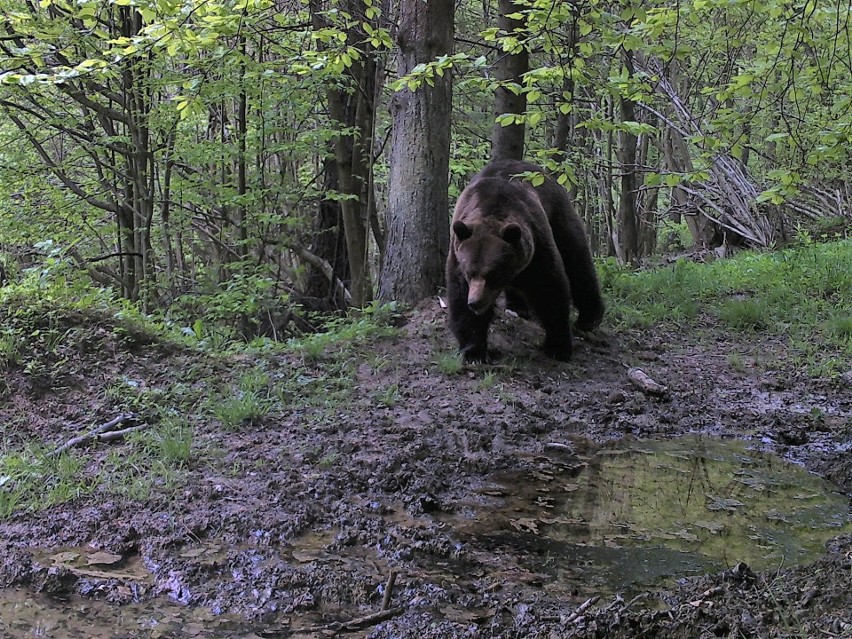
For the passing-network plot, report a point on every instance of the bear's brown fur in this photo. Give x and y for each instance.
(508, 235)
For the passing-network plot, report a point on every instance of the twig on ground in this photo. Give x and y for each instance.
(97, 433)
(389, 590)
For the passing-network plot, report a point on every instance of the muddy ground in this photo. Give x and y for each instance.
(291, 526)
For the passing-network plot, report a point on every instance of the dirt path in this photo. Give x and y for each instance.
(384, 463)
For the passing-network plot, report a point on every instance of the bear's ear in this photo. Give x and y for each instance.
(511, 233)
(461, 230)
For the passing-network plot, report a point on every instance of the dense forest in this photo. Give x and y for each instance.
(251, 160)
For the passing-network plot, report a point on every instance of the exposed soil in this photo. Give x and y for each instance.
(295, 523)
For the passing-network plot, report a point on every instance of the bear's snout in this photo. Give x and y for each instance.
(477, 298)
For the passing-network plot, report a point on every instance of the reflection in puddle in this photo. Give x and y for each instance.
(650, 510)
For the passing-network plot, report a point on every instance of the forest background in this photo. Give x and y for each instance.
(243, 164)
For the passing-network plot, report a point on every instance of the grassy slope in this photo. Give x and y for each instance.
(803, 293)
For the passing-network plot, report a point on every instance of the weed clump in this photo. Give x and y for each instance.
(744, 315)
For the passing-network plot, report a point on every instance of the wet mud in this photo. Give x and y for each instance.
(525, 499)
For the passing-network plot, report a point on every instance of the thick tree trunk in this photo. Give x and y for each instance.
(507, 142)
(418, 205)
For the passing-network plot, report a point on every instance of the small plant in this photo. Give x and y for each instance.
(251, 402)
(129, 394)
(10, 349)
(33, 480)
(744, 314)
(67, 484)
(489, 380)
(840, 326)
(735, 361)
(327, 461)
(255, 380)
(173, 443)
(245, 407)
(343, 333)
(389, 396)
(449, 364)
(313, 349)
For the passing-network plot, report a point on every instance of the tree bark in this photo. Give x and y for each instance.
(507, 142)
(418, 204)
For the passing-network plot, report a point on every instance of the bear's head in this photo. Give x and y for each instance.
(490, 253)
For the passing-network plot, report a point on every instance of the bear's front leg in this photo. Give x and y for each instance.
(551, 301)
(470, 329)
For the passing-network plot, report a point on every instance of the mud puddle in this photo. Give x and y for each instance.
(24, 615)
(647, 512)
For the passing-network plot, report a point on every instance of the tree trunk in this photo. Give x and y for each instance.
(418, 204)
(613, 245)
(507, 142)
(355, 112)
(628, 218)
(329, 244)
(242, 152)
(646, 198)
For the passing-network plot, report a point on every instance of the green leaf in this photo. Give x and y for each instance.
(653, 179)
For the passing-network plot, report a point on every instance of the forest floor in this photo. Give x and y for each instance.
(377, 491)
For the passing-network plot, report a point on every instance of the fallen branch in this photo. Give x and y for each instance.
(97, 433)
(369, 620)
(342, 626)
(118, 434)
(647, 385)
(588, 603)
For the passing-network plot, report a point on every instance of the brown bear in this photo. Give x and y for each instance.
(528, 241)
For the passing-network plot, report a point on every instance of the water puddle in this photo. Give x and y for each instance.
(615, 520)
(634, 516)
(24, 615)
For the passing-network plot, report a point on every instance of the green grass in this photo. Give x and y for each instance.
(449, 363)
(804, 293)
(58, 331)
(341, 335)
(389, 396)
(489, 380)
(32, 479)
(735, 361)
(744, 315)
(840, 326)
